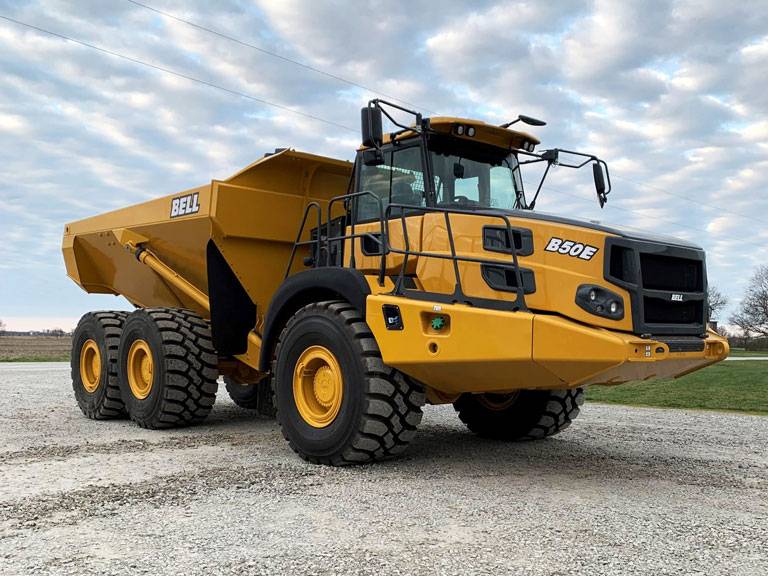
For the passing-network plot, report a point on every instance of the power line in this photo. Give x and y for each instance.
(692, 200)
(278, 56)
(180, 75)
(666, 219)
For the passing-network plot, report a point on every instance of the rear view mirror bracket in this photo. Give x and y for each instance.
(373, 157)
(600, 173)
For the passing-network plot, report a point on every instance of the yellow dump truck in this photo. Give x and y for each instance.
(341, 297)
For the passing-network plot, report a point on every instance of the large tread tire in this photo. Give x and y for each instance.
(381, 407)
(104, 328)
(256, 396)
(529, 415)
(184, 380)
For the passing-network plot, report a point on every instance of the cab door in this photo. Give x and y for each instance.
(399, 180)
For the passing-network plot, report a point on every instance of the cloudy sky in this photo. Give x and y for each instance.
(672, 94)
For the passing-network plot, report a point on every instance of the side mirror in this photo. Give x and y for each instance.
(597, 173)
(531, 121)
(370, 120)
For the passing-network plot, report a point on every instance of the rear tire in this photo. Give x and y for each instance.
(522, 415)
(94, 364)
(168, 368)
(378, 408)
(255, 396)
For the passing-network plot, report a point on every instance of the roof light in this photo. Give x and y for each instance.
(471, 131)
(460, 129)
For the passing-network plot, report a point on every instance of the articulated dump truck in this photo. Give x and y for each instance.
(341, 297)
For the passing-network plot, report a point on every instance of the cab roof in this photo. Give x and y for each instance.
(482, 132)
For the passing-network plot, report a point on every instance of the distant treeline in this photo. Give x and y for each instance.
(55, 332)
(751, 344)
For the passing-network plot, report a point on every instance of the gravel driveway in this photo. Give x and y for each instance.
(623, 491)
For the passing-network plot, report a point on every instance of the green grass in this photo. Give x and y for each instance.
(55, 358)
(734, 386)
(742, 352)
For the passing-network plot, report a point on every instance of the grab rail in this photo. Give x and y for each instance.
(324, 241)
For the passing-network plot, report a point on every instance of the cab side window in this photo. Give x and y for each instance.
(400, 180)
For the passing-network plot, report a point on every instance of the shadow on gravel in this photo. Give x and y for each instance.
(441, 451)
(442, 448)
(229, 414)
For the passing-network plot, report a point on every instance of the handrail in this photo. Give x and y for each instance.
(353, 221)
(299, 242)
(520, 289)
(323, 243)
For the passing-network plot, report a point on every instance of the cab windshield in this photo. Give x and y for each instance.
(465, 176)
(463, 181)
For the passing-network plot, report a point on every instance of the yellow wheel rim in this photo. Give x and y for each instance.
(90, 366)
(140, 369)
(318, 386)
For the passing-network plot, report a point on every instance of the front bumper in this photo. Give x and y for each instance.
(480, 350)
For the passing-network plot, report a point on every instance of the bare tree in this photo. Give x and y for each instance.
(724, 332)
(717, 301)
(752, 317)
(2, 327)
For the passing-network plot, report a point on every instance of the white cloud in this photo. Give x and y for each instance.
(13, 124)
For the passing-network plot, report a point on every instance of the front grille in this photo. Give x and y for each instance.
(670, 273)
(667, 285)
(660, 311)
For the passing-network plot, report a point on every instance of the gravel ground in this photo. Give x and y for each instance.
(623, 491)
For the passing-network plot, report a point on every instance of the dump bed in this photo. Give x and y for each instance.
(252, 217)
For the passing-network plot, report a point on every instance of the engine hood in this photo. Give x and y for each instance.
(624, 232)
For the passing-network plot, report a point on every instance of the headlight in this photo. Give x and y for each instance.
(600, 301)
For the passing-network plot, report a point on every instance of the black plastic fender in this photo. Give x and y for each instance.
(304, 288)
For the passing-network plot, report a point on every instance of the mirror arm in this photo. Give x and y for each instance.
(552, 157)
(531, 161)
(395, 122)
(532, 205)
(377, 102)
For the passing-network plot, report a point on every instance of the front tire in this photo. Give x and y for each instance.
(94, 364)
(337, 402)
(168, 368)
(521, 415)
